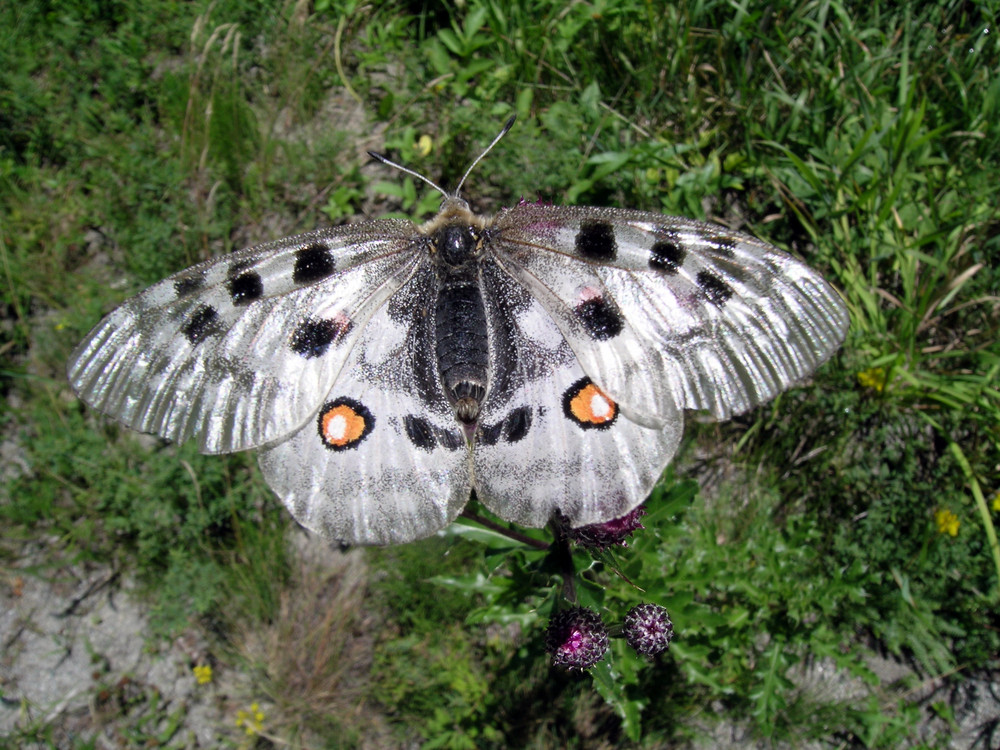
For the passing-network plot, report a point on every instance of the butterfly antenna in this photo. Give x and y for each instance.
(390, 163)
(507, 126)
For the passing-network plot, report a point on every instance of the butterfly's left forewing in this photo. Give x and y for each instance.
(240, 350)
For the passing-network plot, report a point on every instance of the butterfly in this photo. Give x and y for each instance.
(542, 357)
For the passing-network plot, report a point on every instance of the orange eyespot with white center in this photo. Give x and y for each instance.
(344, 423)
(588, 406)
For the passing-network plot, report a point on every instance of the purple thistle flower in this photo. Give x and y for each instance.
(648, 629)
(612, 533)
(576, 638)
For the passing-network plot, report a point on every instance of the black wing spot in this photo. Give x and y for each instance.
(188, 285)
(204, 322)
(717, 290)
(510, 429)
(313, 337)
(517, 424)
(420, 432)
(596, 241)
(490, 434)
(666, 256)
(246, 287)
(725, 246)
(450, 440)
(426, 436)
(602, 321)
(313, 263)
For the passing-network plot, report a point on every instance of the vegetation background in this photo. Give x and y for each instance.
(851, 520)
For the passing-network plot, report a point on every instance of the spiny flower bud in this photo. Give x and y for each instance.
(648, 629)
(576, 638)
(609, 534)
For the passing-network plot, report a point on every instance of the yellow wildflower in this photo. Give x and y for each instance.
(251, 721)
(203, 674)
(424, 145)
(995, 505)
(947, 522)
(873, 377)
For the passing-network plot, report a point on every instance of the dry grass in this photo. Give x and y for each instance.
(313, 658)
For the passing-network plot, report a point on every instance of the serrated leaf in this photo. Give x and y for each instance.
(607, 684)
(479, 583)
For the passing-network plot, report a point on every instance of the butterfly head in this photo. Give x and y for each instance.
(457, 244)
(456, 233)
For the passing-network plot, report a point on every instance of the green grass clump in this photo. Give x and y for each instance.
(138, 138)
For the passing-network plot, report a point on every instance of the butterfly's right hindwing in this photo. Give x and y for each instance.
(241, 350)
(550, 439)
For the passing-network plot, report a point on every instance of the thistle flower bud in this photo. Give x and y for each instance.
(648, 629)
(612, 533)
(576, 638)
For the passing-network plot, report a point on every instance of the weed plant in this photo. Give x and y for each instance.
(851, 517)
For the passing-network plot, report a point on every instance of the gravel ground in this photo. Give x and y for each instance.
(76, 659)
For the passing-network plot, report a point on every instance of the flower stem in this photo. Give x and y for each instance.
(515, 535)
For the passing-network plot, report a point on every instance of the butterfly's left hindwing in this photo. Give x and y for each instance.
(383, 460)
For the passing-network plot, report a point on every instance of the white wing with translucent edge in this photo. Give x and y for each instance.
(549, 438)
(240, 350)
(384, 460)
(664, 311)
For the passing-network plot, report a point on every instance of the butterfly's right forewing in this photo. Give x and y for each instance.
(664, 311)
